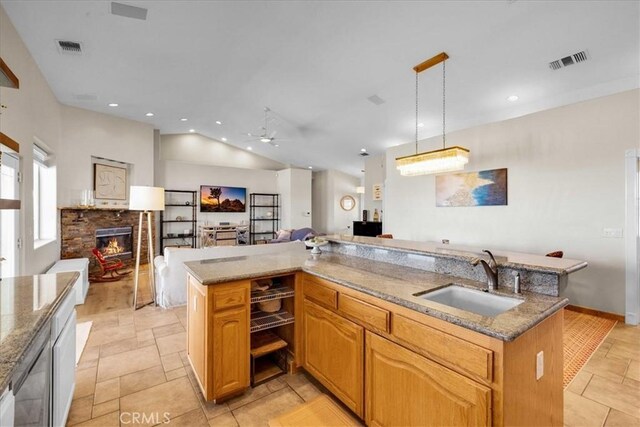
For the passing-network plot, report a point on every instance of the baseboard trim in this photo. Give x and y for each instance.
(598, 313)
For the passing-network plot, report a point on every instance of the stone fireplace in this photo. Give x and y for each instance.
(113, 231)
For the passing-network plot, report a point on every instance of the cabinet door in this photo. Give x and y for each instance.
(196, 336)
(333, 353)
(230, 351)
(405, 389)
(64, 365)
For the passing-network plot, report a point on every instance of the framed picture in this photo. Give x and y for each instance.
(216, 198)
(377, 192)
(109, 182)
(483, 188)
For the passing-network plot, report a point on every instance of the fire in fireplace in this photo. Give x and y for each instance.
(115, 242)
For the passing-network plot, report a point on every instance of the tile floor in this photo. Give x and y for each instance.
(606, 391)
(136, 363)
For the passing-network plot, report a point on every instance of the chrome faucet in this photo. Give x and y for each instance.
(491, 268)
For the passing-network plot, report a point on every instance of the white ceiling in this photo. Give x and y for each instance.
(315, 63)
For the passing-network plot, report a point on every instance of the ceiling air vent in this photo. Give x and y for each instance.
(85, 96)
(128, 11)
(375, 99)
(569, 60)
(66, 46)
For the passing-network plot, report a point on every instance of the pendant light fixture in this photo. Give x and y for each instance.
(436, 161)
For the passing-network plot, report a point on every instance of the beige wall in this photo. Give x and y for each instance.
(328, 187)
(32, 112)
(566, 183)
(375, 173)
(294, 187)
(197, 149)
(87, 133)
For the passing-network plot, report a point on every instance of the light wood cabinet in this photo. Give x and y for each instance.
(218, 337)
(196, 320)
(421, 370)
(405, 389)
(231, 350)
(333, 353)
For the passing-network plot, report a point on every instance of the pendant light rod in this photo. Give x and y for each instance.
(442, 56)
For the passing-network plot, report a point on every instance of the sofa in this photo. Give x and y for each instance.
(171, 276)
(293, 235)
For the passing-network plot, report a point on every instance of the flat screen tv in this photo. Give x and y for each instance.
(216, 198)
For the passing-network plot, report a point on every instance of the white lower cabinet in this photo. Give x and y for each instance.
(6, 408)
(64, 363)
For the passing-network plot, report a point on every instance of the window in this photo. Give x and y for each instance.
(44, 196)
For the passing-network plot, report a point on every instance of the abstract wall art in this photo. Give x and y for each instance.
(483, 188)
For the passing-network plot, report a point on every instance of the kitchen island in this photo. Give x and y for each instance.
(361, 328)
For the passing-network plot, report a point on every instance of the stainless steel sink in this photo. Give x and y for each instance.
(472, 300)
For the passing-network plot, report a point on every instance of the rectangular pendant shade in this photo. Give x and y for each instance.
(437, 161)
(142, 198)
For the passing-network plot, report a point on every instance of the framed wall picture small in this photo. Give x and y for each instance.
(109, 182)
(377, 192)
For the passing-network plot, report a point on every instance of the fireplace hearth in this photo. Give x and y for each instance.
(115, 242)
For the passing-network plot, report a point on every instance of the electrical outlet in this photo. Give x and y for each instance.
(539, 365)
(612, 233)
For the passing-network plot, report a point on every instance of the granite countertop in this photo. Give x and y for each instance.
(26, 305)
(389, 282)
(517, 260)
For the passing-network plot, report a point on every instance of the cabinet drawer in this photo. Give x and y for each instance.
(447, 348)
(226, 298)
(320, 293)
(365, 312)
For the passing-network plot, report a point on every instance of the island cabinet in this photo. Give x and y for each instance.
(239, 337)
(218, 337)
(329, 334)
(395, 366)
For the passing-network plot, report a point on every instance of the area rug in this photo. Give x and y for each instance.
(583, 334)
(82, 335)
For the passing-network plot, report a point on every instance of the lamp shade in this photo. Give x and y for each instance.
(142, 198)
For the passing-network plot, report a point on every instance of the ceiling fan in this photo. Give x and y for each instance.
(266, 136)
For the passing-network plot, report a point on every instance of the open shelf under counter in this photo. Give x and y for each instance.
(261, 321)
(265, 342)
(278, 291)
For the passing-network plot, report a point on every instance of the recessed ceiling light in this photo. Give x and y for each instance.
(420, 125)
(276, 145)
(363, 150)
(512, 98)
(310, 167)
(192, 130)
(149, 114)
(183, 119)
(223, 139)
(218, 122)
(249, 148)
(113, 104)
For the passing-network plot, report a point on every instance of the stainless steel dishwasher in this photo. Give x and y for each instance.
(32, 382)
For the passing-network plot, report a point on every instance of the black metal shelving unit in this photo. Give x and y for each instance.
(184, 204)
(264, 217)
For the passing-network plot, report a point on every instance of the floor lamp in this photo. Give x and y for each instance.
(145, 200)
